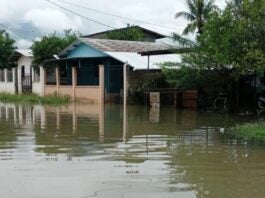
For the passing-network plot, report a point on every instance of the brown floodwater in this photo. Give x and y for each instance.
(83, 151)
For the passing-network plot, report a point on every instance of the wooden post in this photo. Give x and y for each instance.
(74, 82)
(125, 84)
(125, 102)
(57, 73)
(102, 83)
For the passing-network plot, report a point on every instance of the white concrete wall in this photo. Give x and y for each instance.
(8, 87)
(37, 88)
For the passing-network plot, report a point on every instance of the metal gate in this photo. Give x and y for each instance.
(26, 84)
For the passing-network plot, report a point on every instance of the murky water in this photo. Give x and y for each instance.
(83, 151)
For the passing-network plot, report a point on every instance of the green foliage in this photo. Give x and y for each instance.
(199, 12)
(129, 34)
(188, 76)
(34, 99)
(6, 48)
(51, 45)
(232, 44)
(250, 131)
(235, 38)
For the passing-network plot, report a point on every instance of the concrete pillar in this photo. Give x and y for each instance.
(74, 82)
(102, 83)
(19, 80)
(57, 74)
(5, 74)
(43, 80)
(14, 80)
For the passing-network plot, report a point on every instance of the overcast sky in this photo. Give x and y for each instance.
(34, 18)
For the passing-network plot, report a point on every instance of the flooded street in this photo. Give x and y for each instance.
(83, 151)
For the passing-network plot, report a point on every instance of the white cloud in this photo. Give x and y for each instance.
(52, 20)
(23, 44)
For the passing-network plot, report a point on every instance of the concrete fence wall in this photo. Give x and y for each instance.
(8, 82)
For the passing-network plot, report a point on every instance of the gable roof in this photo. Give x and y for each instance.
(18, 53)
(155, 34)
(123, 46)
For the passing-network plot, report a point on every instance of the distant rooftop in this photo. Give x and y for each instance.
(123, 46)
(150, 35)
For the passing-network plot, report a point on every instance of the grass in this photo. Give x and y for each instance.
(34, 99)
(254, 131)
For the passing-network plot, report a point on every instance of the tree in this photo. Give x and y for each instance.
(129, 34)
(231, 49)
(6, 49)
(50, 45)
(199, 12)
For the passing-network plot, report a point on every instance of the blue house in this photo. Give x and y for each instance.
(93, 69)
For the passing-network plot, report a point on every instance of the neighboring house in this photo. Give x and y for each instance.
(17, 79)
(149, 35)
(22, 78)
(94, 69)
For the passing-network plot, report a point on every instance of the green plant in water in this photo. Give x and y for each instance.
(250, 130)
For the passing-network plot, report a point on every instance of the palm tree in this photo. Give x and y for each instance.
(199, 11)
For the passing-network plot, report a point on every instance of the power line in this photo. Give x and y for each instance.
(15, 33)
(75, 13)
(118, 16)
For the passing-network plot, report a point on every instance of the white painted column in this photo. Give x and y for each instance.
(14, 80)
(19, 80)
(5, 74)
(57, 73)
(42, 80)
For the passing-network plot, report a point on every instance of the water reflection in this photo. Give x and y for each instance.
(111, 151)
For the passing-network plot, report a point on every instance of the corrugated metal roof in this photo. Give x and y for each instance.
(141, 62)
(124, 46)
